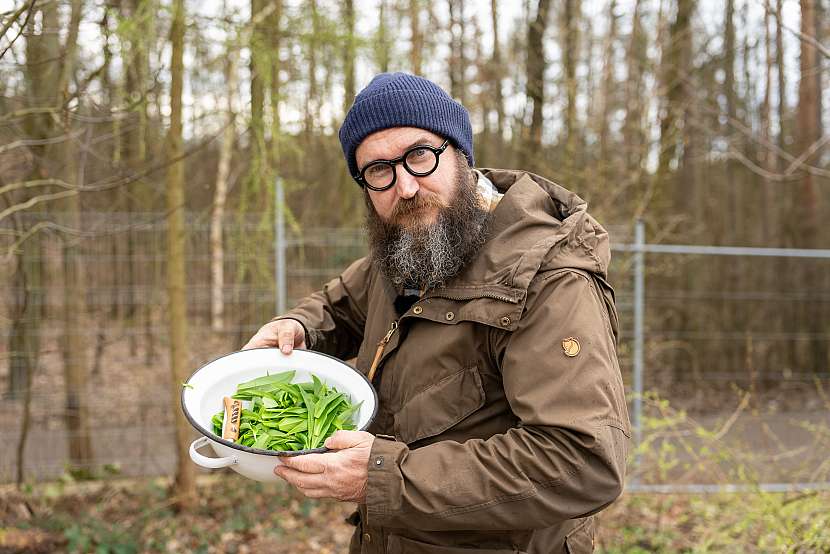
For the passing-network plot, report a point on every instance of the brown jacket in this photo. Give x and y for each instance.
(500, 392)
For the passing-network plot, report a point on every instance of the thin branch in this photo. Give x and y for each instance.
(10, 251)
(37, 183)
(732, 418)
(806, 38)
(755, 168)
(13, 20)
(108, 184)
(801, 159)
(27, 111)
(34, 201)
(36, 142)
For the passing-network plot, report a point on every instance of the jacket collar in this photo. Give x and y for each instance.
(537, 225)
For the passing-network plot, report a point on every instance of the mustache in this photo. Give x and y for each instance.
(409, 206)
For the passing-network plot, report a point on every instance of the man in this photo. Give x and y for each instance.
(483, 318)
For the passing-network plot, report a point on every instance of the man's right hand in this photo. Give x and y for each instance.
(286, 334)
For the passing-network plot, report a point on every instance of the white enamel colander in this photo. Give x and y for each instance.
(203, 392)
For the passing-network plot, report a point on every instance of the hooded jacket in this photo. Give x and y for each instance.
(502, 423)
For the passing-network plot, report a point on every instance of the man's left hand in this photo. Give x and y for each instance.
(341, 475)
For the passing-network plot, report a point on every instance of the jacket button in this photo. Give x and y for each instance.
(505, 321)
(450, 316)
(417, 310)
(367, 537)
(379, 461)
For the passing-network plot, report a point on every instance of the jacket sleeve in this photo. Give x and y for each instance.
(564, 459)
(334, 317)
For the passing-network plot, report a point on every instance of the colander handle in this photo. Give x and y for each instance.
(204, 461)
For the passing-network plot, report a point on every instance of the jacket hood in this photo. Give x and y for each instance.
(537, 226)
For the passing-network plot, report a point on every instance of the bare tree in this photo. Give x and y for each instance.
(536, 82)
(458, 58)
(217, 257)
(417, 38)
(570, 51)
(184, 485)
(349, 55)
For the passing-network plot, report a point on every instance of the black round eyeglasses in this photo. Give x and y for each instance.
(420, 161)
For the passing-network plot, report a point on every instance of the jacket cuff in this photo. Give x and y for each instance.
(384, 486)
(310, 334)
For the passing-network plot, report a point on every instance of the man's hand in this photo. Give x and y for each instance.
(286, 334)
(341, 475)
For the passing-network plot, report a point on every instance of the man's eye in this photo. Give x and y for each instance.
(376, 170)
(419, 153)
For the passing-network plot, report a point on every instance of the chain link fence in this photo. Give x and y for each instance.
(728, 382)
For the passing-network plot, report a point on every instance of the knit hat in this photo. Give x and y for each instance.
(403, 100)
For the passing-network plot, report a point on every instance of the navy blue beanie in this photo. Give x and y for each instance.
(403, 100)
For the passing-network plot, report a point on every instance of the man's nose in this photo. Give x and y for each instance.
(406, 185)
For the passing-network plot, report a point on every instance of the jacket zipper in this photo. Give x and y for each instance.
(472, 297)
(381, 346)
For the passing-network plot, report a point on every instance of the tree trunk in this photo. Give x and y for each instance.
(458, 61)
(808, 230)
(217, 252)
(382, 44)
(24, 339)
(496, 73)
(782, 83)
(606, 165)
(536, 83)
(633, 133)
(76, 363)
(770, 230)
(809, 118)
(570, 51)
(674, 68)
(184, 485)
(417, 39)
(732, 186)
(349, 54)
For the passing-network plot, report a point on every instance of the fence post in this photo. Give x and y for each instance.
(279, 245)
(639, 318)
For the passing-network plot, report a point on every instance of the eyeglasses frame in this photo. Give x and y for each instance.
(402, 161)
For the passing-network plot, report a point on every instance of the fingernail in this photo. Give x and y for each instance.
(286, 349)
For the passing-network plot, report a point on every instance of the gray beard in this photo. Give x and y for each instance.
(425, 256)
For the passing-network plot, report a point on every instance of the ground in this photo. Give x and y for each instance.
(235, 515)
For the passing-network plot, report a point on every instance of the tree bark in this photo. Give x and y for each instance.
(382, 43)
(732, 186)
(634, 135)
(349, 54)
(496, 72)
(570, 51)
(606, 164)
(76, 362)
(674, 68)
(417, 38)
(217, 256)
(782, 83)
(809, 131)
(458, 60)
(536, 83)
(184, 485)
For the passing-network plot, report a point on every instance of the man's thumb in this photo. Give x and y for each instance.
(344, 439)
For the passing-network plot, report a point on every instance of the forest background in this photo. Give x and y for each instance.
(140, 146)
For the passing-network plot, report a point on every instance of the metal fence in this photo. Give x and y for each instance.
(721, 398)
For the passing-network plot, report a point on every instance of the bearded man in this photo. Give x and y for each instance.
(483, 318)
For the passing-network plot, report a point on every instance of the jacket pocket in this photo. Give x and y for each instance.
(400, 545)
(440, 406)
(580, 540)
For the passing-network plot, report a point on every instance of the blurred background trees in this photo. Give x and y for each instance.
(703, 118)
